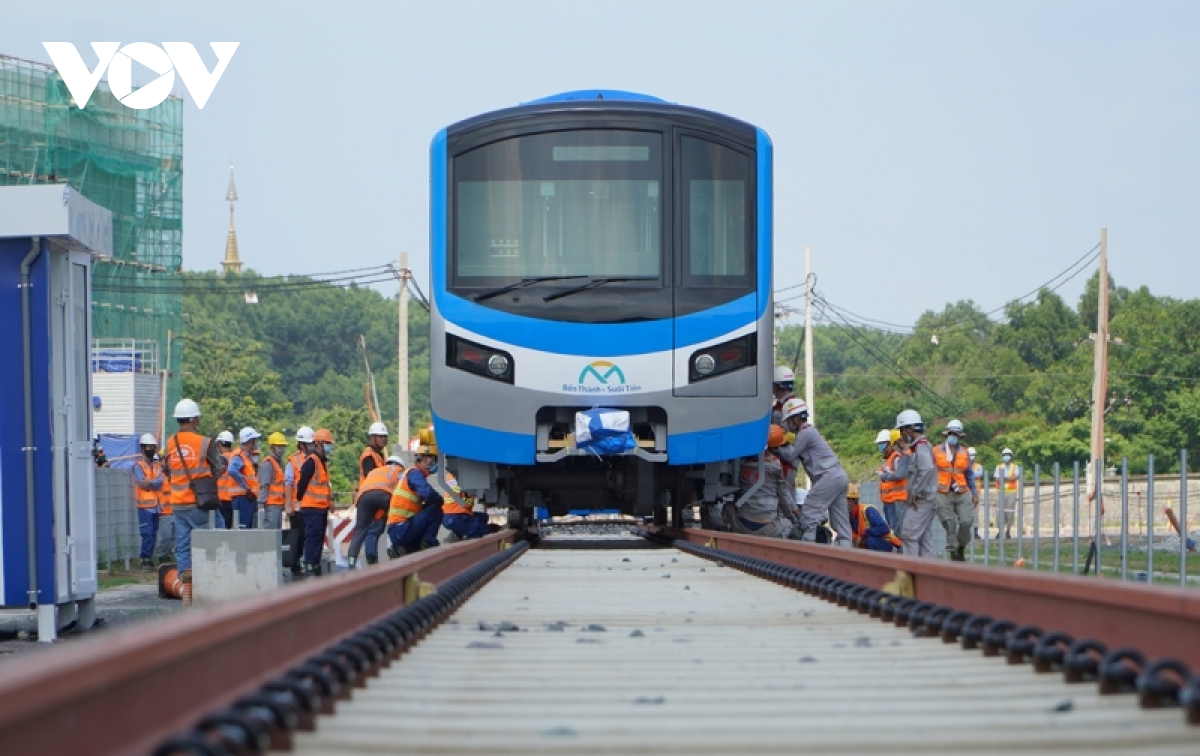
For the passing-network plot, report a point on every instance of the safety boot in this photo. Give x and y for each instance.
(372, 559)
(147, 564)
(392, 553)
(352, 561)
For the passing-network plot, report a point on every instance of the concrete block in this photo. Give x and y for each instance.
(229, 564)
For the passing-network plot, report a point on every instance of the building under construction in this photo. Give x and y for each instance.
(130, 162)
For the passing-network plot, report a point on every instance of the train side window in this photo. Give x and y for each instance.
(717, 232)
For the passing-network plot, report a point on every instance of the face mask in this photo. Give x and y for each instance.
(1007, 458)
(328, 448)
(952, 440)
(149, 453)
(277, 452)
(882, 446)
(254, 456)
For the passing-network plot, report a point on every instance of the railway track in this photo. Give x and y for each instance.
(723, 644)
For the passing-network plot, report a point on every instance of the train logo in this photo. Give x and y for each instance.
(602, 370)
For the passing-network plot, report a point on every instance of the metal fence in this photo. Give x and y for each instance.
(1116, 526)
(117, 537)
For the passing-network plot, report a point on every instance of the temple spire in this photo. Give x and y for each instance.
(232, 263)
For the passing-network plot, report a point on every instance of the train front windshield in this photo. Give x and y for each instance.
(574, 204)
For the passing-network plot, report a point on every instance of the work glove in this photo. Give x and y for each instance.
(789, 437)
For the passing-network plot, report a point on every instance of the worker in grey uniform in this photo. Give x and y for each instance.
(917, 531)
(769, 508)
(829, 482)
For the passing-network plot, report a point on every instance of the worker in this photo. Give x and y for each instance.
(99, 458)
(957, 494)
(291, 474)
(461, 519)
(917, 531)
(315, 496)
(782, 388)
(828, 480)
(1006, 479)
(976, 468)
(871, 531)
(893, 476)
(272, 486)
(240, 482)
(371, 458)
(224, 517)
(372, 455)
(148, 493)
(415, 512)
(374, 496)
(766, 504)
(189, 457)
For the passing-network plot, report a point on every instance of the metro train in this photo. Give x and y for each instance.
(600, 248)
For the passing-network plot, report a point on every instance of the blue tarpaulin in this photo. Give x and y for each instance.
(604, 432)
(121, 451)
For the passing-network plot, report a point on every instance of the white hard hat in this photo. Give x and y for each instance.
(148, 439)
(186, 410)
(394, 460)
(304, 435)
(225, 437)
(377, 429)
(884, 436)
(793, 407)
(784, 374)
(248, 434)
(954, 426)
(970, 451)
(907, 418)
(1006, 451)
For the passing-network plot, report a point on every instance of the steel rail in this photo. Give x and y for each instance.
(1159, 620)
(126, 691)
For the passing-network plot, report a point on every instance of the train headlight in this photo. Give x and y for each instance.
(497, 365)
(720, 359)
(479, 359)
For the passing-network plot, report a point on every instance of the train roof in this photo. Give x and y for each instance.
(613, 102)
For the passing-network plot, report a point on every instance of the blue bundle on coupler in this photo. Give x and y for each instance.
(604, 432)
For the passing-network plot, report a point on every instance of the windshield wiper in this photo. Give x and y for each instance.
(594, 283)
(521, 285)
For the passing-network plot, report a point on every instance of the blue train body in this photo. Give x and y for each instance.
(600, 248)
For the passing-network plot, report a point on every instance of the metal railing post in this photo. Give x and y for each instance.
(1037, 513)
(1183, 517)
(1020, 513)
(1057, 517)
(1075, 526)
(1001, 513)
(1124, 518)
(1150, 518)
(987, 520)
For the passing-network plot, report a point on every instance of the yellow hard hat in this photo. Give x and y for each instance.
(852, 492)
(895, 435)
(427, 442)
(277, 439)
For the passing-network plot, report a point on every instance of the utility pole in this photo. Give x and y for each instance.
(809, 375)
(1100, 368)
(402, 361)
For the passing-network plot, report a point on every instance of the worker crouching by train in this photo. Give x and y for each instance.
(415, 513)
(461, 519)
(769, 505)
(871, 530)
(314, 495)
(374, 499)
(827, 493)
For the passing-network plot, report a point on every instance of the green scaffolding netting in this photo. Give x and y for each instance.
(126, 160)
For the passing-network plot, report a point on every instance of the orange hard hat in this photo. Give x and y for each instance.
(323, 436)
(776, 436)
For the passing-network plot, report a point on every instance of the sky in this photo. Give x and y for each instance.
(927, 151)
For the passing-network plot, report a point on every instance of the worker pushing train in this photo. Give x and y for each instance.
(415, 513)
(827, 494)
(769, 505)
(374, 499)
